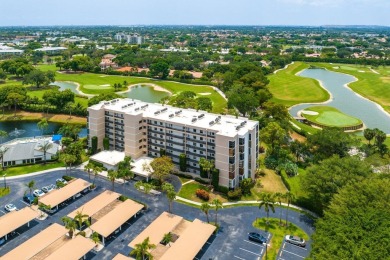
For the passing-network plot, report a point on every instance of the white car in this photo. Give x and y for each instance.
(48, 188)
(295, 240)
(62, 181)
(10, 207)
(38, 193)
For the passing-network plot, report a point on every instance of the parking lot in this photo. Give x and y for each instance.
(292, 252)
(249, 249)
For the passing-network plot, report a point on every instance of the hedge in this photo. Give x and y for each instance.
(284, 180)
(184, 175)
(200, 180)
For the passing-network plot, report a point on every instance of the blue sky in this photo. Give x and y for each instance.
(202, 12)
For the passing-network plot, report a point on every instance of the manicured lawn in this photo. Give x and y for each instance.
(188, 192)
(270, 183)
(370, 85)
(330, 116)
(278, 233)
(184, 180)
(4, 191)
(33, 116)
(290, 89)
(20, 170)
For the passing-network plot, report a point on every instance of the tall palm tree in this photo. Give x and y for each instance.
(112, 175)
(218, 205)
(88, 168)
(3, 150)
(171, 194)
(278, 196)
(44, 147)
(268, 202)
(81, 219)
(141, 251)
(289, 197)
(96, 170)
(70, 225)
(95, 238)
(30, 186)
(69, 107)
(208, 166)
(205, 208)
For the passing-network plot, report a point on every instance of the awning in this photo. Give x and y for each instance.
(15, 219)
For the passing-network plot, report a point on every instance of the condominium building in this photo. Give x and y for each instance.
(144, 129)
(131, 39)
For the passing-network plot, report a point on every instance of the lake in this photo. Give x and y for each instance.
(30, 129)
(346, 100)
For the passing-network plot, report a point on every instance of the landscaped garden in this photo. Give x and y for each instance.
(279, 230)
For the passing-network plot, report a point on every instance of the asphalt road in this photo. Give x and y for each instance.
(231, 242)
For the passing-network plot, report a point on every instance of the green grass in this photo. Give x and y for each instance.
(290, 89)
(21, 170)
(46, 67)
(4, 191)
(188, 191)
(278, 233)
(184, 180)
(330, 116)
(370, 85)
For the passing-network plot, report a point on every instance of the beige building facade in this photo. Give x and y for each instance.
(145, 129)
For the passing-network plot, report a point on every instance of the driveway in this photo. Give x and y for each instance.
(229, 243)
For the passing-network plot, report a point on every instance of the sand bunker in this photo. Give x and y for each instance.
(308, 112)
(105, 85)
(204, 94)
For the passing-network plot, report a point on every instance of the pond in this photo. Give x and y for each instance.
(346, 100)
(146, 94)
(30, 129)
(140, 92)
(66, 85)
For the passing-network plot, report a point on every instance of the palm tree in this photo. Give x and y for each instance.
(88, 168)
(218, 205)
(95, 238)
(30, 186)
(207, 165)
(3, 150)
(81, 219)
(267, 201)
(167, 238)
(278, 196)
(43, 125)
(70, 225)
(96, 170)
(289, 197)
(205, 208)
(3, 134)
(141, 251)
(112, 175)
(44, 147)
(171, 194)
(69, 107)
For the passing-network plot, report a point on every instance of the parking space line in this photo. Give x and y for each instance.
(24, 202)
(293, 254)
(249, 251)
(298, 247)
(239, 257)
(2, 212)
(253, 243)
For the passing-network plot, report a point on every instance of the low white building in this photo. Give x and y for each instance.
(28, 150)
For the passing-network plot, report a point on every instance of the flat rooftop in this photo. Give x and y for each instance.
(96, 204)
(109, 157)
(106, 225)
(222, 124)
(15, 219)
(37, 243)
(138, 166)
(55, 197)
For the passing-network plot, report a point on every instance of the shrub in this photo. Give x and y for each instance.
(222, 189)
(123, 198)
(183, 162)
(106, 143)
(215, 178)
(94, 144)
(246, 185)
(184, 175)
(200, 180)
(202, 194)
(67, 178)
(235, 194)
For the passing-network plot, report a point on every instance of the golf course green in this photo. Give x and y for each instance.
(325, 116)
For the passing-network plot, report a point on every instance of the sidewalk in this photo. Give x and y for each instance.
(246, 202)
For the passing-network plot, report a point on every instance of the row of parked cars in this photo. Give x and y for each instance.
(37, 193)
(256, 237)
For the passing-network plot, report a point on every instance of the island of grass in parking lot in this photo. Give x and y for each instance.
(329, 117)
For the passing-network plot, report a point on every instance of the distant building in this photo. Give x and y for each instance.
(51, 50)
(27, 150)
(130, 39)
(8, 51)
(107, 62)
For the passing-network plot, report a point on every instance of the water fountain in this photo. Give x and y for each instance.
(17, 132)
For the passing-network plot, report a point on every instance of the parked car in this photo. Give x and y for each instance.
(38, 193)
(28, 198)
(62, 181)
(295, 240)
(47, 189)
(2, 240)
(256, 237)
(53, 186)
(10, 207)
